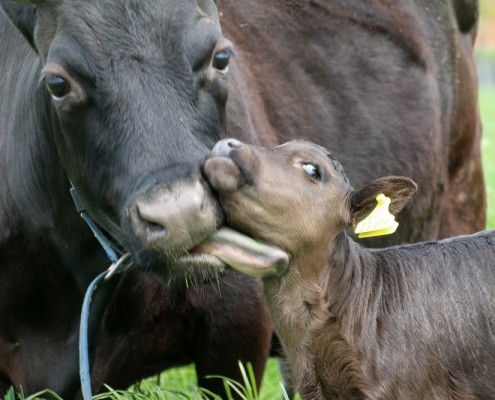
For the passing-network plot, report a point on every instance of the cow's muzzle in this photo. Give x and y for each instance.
(171, 219)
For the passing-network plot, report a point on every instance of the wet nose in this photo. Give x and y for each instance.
(173, 219)
(223, 147)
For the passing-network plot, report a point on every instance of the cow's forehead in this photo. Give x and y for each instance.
(121, 23)
(149, 31)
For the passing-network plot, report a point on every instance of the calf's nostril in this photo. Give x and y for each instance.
(224, 147)
(234, 143)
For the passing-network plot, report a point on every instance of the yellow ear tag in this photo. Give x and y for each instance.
(380, 222)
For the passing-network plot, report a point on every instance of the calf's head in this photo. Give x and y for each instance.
(135, 94)
(295, 196)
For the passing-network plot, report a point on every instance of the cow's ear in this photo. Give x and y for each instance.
(398, 188)
(22, 15)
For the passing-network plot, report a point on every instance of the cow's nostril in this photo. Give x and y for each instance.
(150, 219)
(149, 222)
(153, 227)
(173, 218)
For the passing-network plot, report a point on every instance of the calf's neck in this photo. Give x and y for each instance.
(406, 322)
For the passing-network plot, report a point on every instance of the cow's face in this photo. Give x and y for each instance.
(138, 91)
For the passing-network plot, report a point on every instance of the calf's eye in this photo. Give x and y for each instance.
(312, 170)
(57, 86)
(221, 61)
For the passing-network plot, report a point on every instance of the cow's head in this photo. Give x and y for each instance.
(138, 91)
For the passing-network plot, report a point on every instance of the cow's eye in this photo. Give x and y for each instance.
(312, 170)
(57, 86)
(221, 61)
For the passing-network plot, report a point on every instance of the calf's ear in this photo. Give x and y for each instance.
(398, 188)
(23, 16)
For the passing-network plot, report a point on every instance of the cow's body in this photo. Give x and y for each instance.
(405, 322)
(396, 67)
(397, 86)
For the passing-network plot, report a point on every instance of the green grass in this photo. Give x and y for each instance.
(180, 384)
(11, 395)
(183, 380)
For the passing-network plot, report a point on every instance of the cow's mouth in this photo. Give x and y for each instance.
(227, 247)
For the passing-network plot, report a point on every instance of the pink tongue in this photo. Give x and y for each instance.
(244, 254)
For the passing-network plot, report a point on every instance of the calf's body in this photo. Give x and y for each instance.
(406, 322)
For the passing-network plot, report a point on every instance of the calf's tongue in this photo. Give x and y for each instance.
(245, 254)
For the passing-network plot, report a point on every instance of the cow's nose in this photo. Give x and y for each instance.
(173, 219)
(223, 147)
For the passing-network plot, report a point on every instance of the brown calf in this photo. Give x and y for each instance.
(406, 322)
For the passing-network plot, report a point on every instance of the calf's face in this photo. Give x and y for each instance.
(292, 196)
(295, 196)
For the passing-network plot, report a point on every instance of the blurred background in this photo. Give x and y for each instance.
(485, 58)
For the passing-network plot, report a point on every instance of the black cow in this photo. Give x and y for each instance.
(126, 111)
(124, 98)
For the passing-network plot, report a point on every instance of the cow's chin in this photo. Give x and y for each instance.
(183, 270)
(199, 268)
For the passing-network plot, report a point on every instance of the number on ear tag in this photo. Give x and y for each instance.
(380, 222)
